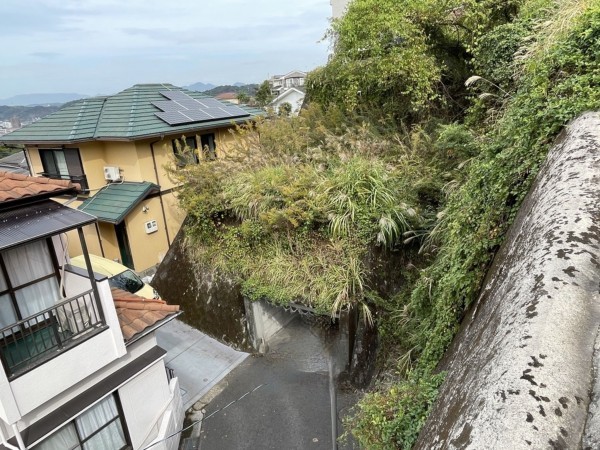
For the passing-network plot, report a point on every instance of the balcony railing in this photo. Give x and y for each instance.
(80, 179)
(38, 338)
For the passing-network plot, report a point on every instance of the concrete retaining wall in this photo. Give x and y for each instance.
(264, 320)
(521, 369)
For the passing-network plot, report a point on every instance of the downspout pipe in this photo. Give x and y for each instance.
(28, 159)
(99, 239)
(160, 199)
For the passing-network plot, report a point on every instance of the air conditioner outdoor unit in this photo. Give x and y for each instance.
(112, 173)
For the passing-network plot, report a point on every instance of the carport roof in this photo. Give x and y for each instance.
(38, 220)
(116, 200)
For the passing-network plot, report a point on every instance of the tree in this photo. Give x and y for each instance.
(405, 59)
(263, 94)
(285, 109)
(243, 97)
(7, 151)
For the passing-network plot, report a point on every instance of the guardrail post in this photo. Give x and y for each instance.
(88, 264)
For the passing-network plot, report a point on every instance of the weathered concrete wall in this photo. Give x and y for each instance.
(264, 320)
(211, 304)
(520, 370)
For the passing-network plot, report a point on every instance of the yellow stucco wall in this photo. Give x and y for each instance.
(137, 162)
(147, 249)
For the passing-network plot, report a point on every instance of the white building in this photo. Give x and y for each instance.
(338, 8)
(288, 88)
(293, 79)
(81, 365)
(293, 96)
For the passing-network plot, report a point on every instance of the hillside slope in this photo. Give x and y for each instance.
(427, 128)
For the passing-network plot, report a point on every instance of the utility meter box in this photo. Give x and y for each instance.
(151, 226)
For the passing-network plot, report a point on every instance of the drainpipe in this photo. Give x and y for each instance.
(162, 206)
(88, 265)
(100, 240)
(18, 437)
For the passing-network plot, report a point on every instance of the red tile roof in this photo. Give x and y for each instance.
(14, 186)
(227, 96)
(136, 313)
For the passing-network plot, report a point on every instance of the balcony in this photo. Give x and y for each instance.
(79, 179)
(43, 336)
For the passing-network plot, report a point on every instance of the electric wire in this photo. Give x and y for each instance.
(200, 421)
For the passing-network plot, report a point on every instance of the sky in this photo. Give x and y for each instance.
(95, 47)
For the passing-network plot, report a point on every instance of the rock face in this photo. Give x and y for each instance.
(522, 369)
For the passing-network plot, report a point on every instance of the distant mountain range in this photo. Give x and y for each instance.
(204, 87)
(28, 107)
(25, 114)
(200, 87)
(58, 99)
(249, 89)
(41, 99)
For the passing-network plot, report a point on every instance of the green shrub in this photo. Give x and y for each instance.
(292, 210)
(392, 419)
(556, 80)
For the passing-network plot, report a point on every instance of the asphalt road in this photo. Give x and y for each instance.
(290, 410)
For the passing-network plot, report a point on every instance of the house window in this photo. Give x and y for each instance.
(100, 427)
(186, 148)
(208, 145)
(63, 164)
(28, 282)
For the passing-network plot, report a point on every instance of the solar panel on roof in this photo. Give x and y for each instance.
(182, 109)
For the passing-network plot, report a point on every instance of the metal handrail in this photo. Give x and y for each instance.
(29, 342)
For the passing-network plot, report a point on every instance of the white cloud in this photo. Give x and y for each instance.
(93, 46)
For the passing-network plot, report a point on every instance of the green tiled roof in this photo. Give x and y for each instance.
(116, 200)
(127, 115)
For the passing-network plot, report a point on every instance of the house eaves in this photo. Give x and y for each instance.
(286, 93)
(129, 115)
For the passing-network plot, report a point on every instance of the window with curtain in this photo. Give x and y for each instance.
(28, 282)
(99, 428)
(63, 164)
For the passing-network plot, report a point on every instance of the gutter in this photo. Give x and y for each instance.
(152, 328)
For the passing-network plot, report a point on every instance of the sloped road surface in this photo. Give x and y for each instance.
(292, 407)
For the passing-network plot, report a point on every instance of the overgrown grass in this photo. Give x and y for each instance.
(291, 209)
